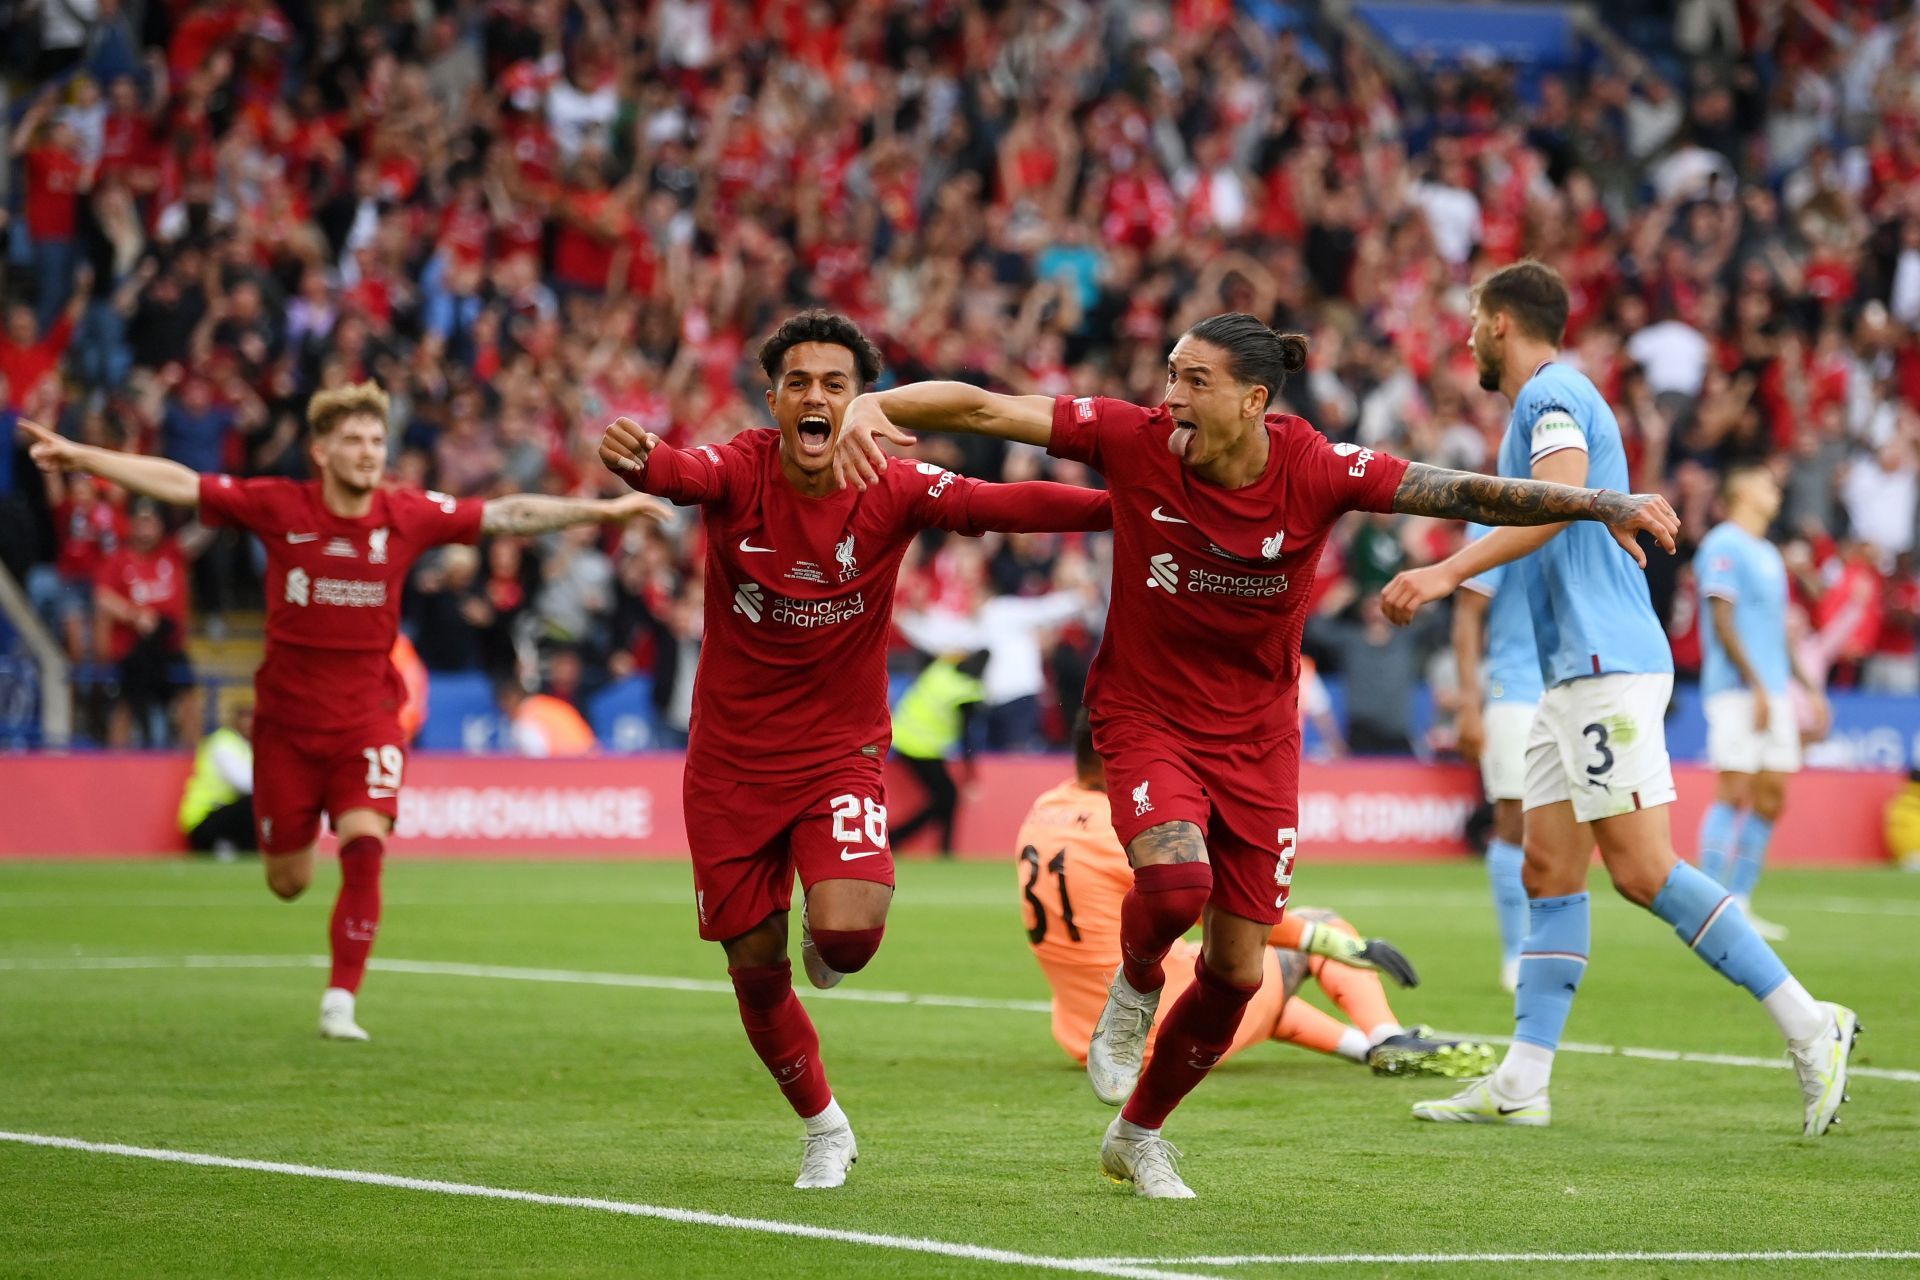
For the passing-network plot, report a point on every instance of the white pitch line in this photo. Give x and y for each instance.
(1413, 1259)
(709, 986)
(686, 1217)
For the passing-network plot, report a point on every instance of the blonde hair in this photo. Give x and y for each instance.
(328, 409)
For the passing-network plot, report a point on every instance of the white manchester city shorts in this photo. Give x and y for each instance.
(1733, 746)
(1601, 742)
(1503, 760)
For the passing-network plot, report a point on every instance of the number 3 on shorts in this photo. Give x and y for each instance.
(848, 809)
(383, 767)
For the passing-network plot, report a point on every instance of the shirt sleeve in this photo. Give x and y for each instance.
(1487, 581)
(1347, 477)
(1551, 425)
(1096, 430)
(435, 518)
(1718, 573)
(244, 504)
(687, 477)
(972, 507)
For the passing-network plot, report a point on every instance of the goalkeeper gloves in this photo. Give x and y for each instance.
(1322, 939)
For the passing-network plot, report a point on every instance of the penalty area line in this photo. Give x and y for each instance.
(857, 995)
(1442, 1259)
(662, 1213)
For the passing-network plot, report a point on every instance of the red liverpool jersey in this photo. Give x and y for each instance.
(1210, 585)
(333, 592)
(799, 604)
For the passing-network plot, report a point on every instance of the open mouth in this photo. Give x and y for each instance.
(816, 435)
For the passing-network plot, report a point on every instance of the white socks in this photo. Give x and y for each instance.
(1797, 1014)
(1127, 1130)
(1525, 1071)
(1353, 1044)
(1385, 1031)
(829, 1120)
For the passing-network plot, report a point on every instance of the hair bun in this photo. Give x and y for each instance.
(1293, 351)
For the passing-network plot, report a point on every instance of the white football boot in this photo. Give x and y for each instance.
(1481, 1102)
(336, 1016)
(1821, 1064)
(1118, 1049)
(1144, 1159)
(827, 1157)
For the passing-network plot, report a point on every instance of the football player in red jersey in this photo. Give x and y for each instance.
(1220, 510)
(790, 722)
(328, 697)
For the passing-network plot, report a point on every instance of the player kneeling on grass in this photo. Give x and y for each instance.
(327, 738)
(790, 722)
(1074, 876)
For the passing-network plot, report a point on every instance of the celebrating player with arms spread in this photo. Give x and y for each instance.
(338, 552)
(790, 723)
(1220, 511)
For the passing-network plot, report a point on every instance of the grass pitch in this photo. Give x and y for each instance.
(533, 1039)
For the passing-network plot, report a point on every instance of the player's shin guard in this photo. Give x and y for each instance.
(1553, 959)
(356, 912)
(1716, 839)
(847, 950)
(782, 1034)
(1504, 861)
(1749, 855)
(1164, 903)
(1195, 1036)
(1707, 919)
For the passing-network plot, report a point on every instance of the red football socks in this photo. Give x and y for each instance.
(782, 1034)
(356, 912)
(1164, 903)
(1195, 1036)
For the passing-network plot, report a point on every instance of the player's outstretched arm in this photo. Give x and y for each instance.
(649, 464)
(525, 514)
(1539, 507)
(157, 478)
(931, 406)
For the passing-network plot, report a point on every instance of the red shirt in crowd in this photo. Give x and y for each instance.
(155, 580)
(25, 366)
(54, 181)
(87, 536)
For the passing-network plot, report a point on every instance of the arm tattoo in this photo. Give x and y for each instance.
(1467, 495)
(1169, 842)
(525, 514)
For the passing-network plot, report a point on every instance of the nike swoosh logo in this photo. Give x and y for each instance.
(746, 544)
(1166, 519)
(855, 857)
(1507, 1111)
(302, 537)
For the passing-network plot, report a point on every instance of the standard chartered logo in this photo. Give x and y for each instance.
(747, 599)
(1166, 574)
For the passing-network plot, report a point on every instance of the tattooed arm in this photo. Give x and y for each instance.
(530, 513)
(1540, 507)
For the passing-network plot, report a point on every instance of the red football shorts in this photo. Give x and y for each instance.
(748, 839)
(299, 775)
(1243, 795)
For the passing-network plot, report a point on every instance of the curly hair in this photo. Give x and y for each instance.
(328, 409)
(822, 326)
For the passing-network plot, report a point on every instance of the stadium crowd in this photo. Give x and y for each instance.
(527, 217)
